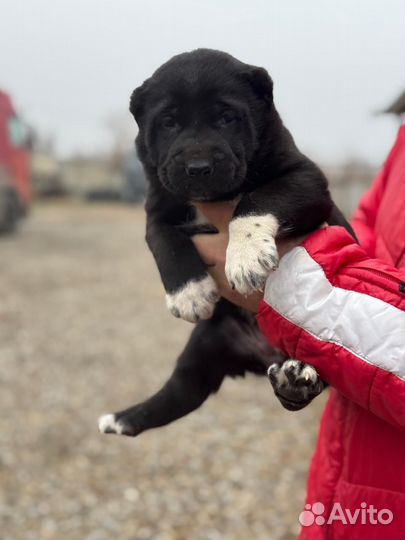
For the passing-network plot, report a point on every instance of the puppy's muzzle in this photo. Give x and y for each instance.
(201, 172)
(200, 162)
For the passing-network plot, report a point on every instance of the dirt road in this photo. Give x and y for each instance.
(84, 330)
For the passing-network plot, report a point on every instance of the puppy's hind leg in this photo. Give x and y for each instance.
(198, 373)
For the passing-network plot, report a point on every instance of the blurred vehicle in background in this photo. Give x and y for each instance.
(105, 177)
(15, 177)
(134, 183)
(46, 174)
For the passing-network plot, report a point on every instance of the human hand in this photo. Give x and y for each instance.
(212, 248)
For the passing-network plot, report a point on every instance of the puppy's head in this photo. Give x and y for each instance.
(200, 119)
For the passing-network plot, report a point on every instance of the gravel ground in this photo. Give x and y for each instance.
(84, 330)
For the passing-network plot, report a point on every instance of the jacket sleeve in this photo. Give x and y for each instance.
(364, 219)
(332, 306)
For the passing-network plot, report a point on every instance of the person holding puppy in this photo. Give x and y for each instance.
(340, 307)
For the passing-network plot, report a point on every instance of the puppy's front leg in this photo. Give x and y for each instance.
(191, 293)
(294, 383)
(252, 253)
(287, 206)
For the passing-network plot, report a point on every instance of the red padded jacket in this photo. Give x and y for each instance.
(341, 308)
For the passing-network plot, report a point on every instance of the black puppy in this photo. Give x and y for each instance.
(209, 131)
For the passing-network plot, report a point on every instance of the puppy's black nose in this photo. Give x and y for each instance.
(199, 167)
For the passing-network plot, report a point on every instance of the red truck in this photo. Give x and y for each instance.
(15, 178)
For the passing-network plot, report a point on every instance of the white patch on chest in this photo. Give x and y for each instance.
(199, 218)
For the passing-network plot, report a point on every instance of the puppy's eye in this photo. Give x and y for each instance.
(169, 122)
(226, 118)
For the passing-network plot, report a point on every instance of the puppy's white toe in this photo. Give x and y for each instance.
(309, 373)
(277, 374)
(108, 424)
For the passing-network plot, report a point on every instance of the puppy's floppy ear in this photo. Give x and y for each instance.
(260, 82)
(137, 101)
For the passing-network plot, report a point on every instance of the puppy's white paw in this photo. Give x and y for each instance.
(295, 383)
(108, 424)
(195, 300)
(252, 253)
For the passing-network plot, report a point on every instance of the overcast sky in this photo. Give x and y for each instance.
(72, 64)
